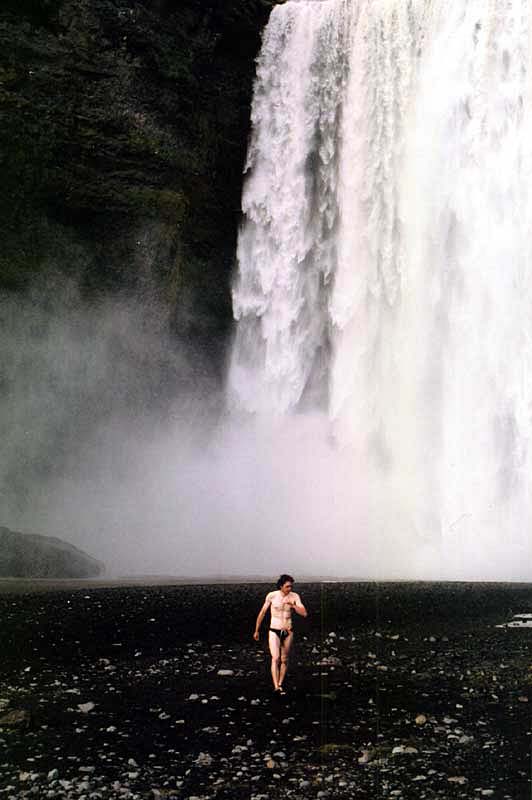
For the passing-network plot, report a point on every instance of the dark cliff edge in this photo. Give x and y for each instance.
(123, 133)
(24, 555)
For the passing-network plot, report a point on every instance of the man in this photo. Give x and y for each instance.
(281, 604)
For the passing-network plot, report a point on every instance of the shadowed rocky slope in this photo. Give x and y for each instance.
(31, 556)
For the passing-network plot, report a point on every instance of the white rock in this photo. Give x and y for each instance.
(204, 760)
(225, 672)
(86, 707)
(402, 749)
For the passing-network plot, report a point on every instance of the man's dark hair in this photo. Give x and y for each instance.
(284, 579)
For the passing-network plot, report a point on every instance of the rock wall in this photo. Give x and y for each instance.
(123, 133)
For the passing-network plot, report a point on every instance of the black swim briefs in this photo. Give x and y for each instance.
(282, 634)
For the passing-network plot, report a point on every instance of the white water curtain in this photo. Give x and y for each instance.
(384, 258)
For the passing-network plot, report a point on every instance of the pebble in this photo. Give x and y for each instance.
(366, 757)
(204, 760)
(86, 707)
(403, 750)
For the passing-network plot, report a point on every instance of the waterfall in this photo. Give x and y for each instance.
(384, 257)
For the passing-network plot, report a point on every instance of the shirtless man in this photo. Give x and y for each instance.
(280, 636)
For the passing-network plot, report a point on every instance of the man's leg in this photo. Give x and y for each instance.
(275, 647)
(285, 652)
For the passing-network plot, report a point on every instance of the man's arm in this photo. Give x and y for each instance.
(262, 614)
(299, 608)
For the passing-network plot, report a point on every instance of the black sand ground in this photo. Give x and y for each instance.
(396, 690)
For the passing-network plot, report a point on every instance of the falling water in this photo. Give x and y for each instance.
(384, 259)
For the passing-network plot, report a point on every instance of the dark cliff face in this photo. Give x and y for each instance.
(122, 142)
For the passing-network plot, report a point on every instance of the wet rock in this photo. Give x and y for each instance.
(204, 760)
(401, 749)
(15, 718)
(367, 756)
(329, 661)
(86, 707)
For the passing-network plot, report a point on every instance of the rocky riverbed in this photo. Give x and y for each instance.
(396, 691)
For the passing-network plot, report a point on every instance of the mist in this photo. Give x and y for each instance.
(117, 439)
